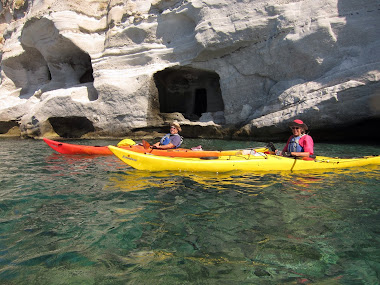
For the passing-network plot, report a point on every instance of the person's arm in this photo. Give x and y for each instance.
(285, 149)
(300, 154)
(167, 146)
(308, 144)
(293, 153)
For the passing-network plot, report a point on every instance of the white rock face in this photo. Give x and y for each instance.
(110, 67)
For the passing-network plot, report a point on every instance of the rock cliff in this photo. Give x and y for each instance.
(243, 68)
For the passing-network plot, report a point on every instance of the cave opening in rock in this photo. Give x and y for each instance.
(200, 104)
(71, 127)
(61, 63)
(5, 126)
(87, 75)
(189, 91)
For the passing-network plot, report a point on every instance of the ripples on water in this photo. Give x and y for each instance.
(92, 220)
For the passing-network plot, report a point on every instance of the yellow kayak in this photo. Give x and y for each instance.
(252, 162)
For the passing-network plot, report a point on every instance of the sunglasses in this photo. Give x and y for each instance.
(173, 127)
(295, 128)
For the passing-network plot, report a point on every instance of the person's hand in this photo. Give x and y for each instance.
(278, 152)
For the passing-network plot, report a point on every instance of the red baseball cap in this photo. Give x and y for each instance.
(298, 123)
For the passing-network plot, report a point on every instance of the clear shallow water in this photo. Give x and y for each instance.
(92, 220)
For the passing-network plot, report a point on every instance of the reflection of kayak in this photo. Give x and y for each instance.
(67, 148)
(257, 162)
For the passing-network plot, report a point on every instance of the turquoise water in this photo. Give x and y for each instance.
(92, 220)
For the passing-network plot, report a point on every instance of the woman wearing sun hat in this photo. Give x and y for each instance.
(171, 140)
(299, 143)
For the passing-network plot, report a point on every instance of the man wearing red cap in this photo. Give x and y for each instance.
(299, 143)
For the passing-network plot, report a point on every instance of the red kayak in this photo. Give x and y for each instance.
(67, 148)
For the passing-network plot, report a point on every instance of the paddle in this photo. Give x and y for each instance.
(127, 142)
(146, 145)
(271, 146)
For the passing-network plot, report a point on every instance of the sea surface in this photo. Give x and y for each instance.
(72, 219)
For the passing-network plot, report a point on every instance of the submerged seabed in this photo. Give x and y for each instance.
(92, 220)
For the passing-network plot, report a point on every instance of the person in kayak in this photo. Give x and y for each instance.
(171, 140)
(299, 143)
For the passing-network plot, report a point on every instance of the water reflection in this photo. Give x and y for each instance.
(134, 180)
(244, 182)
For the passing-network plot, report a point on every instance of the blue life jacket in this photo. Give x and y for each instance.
(294, 145)
(166, 139)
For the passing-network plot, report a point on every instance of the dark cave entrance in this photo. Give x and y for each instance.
(5, 126)
(71, 127)
(88, 74)
(200, 101)
(189, 91)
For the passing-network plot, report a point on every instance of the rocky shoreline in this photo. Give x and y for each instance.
(223, 70)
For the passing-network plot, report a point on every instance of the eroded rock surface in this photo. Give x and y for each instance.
(235, 69)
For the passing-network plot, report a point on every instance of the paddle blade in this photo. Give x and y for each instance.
(126, 142)
(146, 145)
(271, 146)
